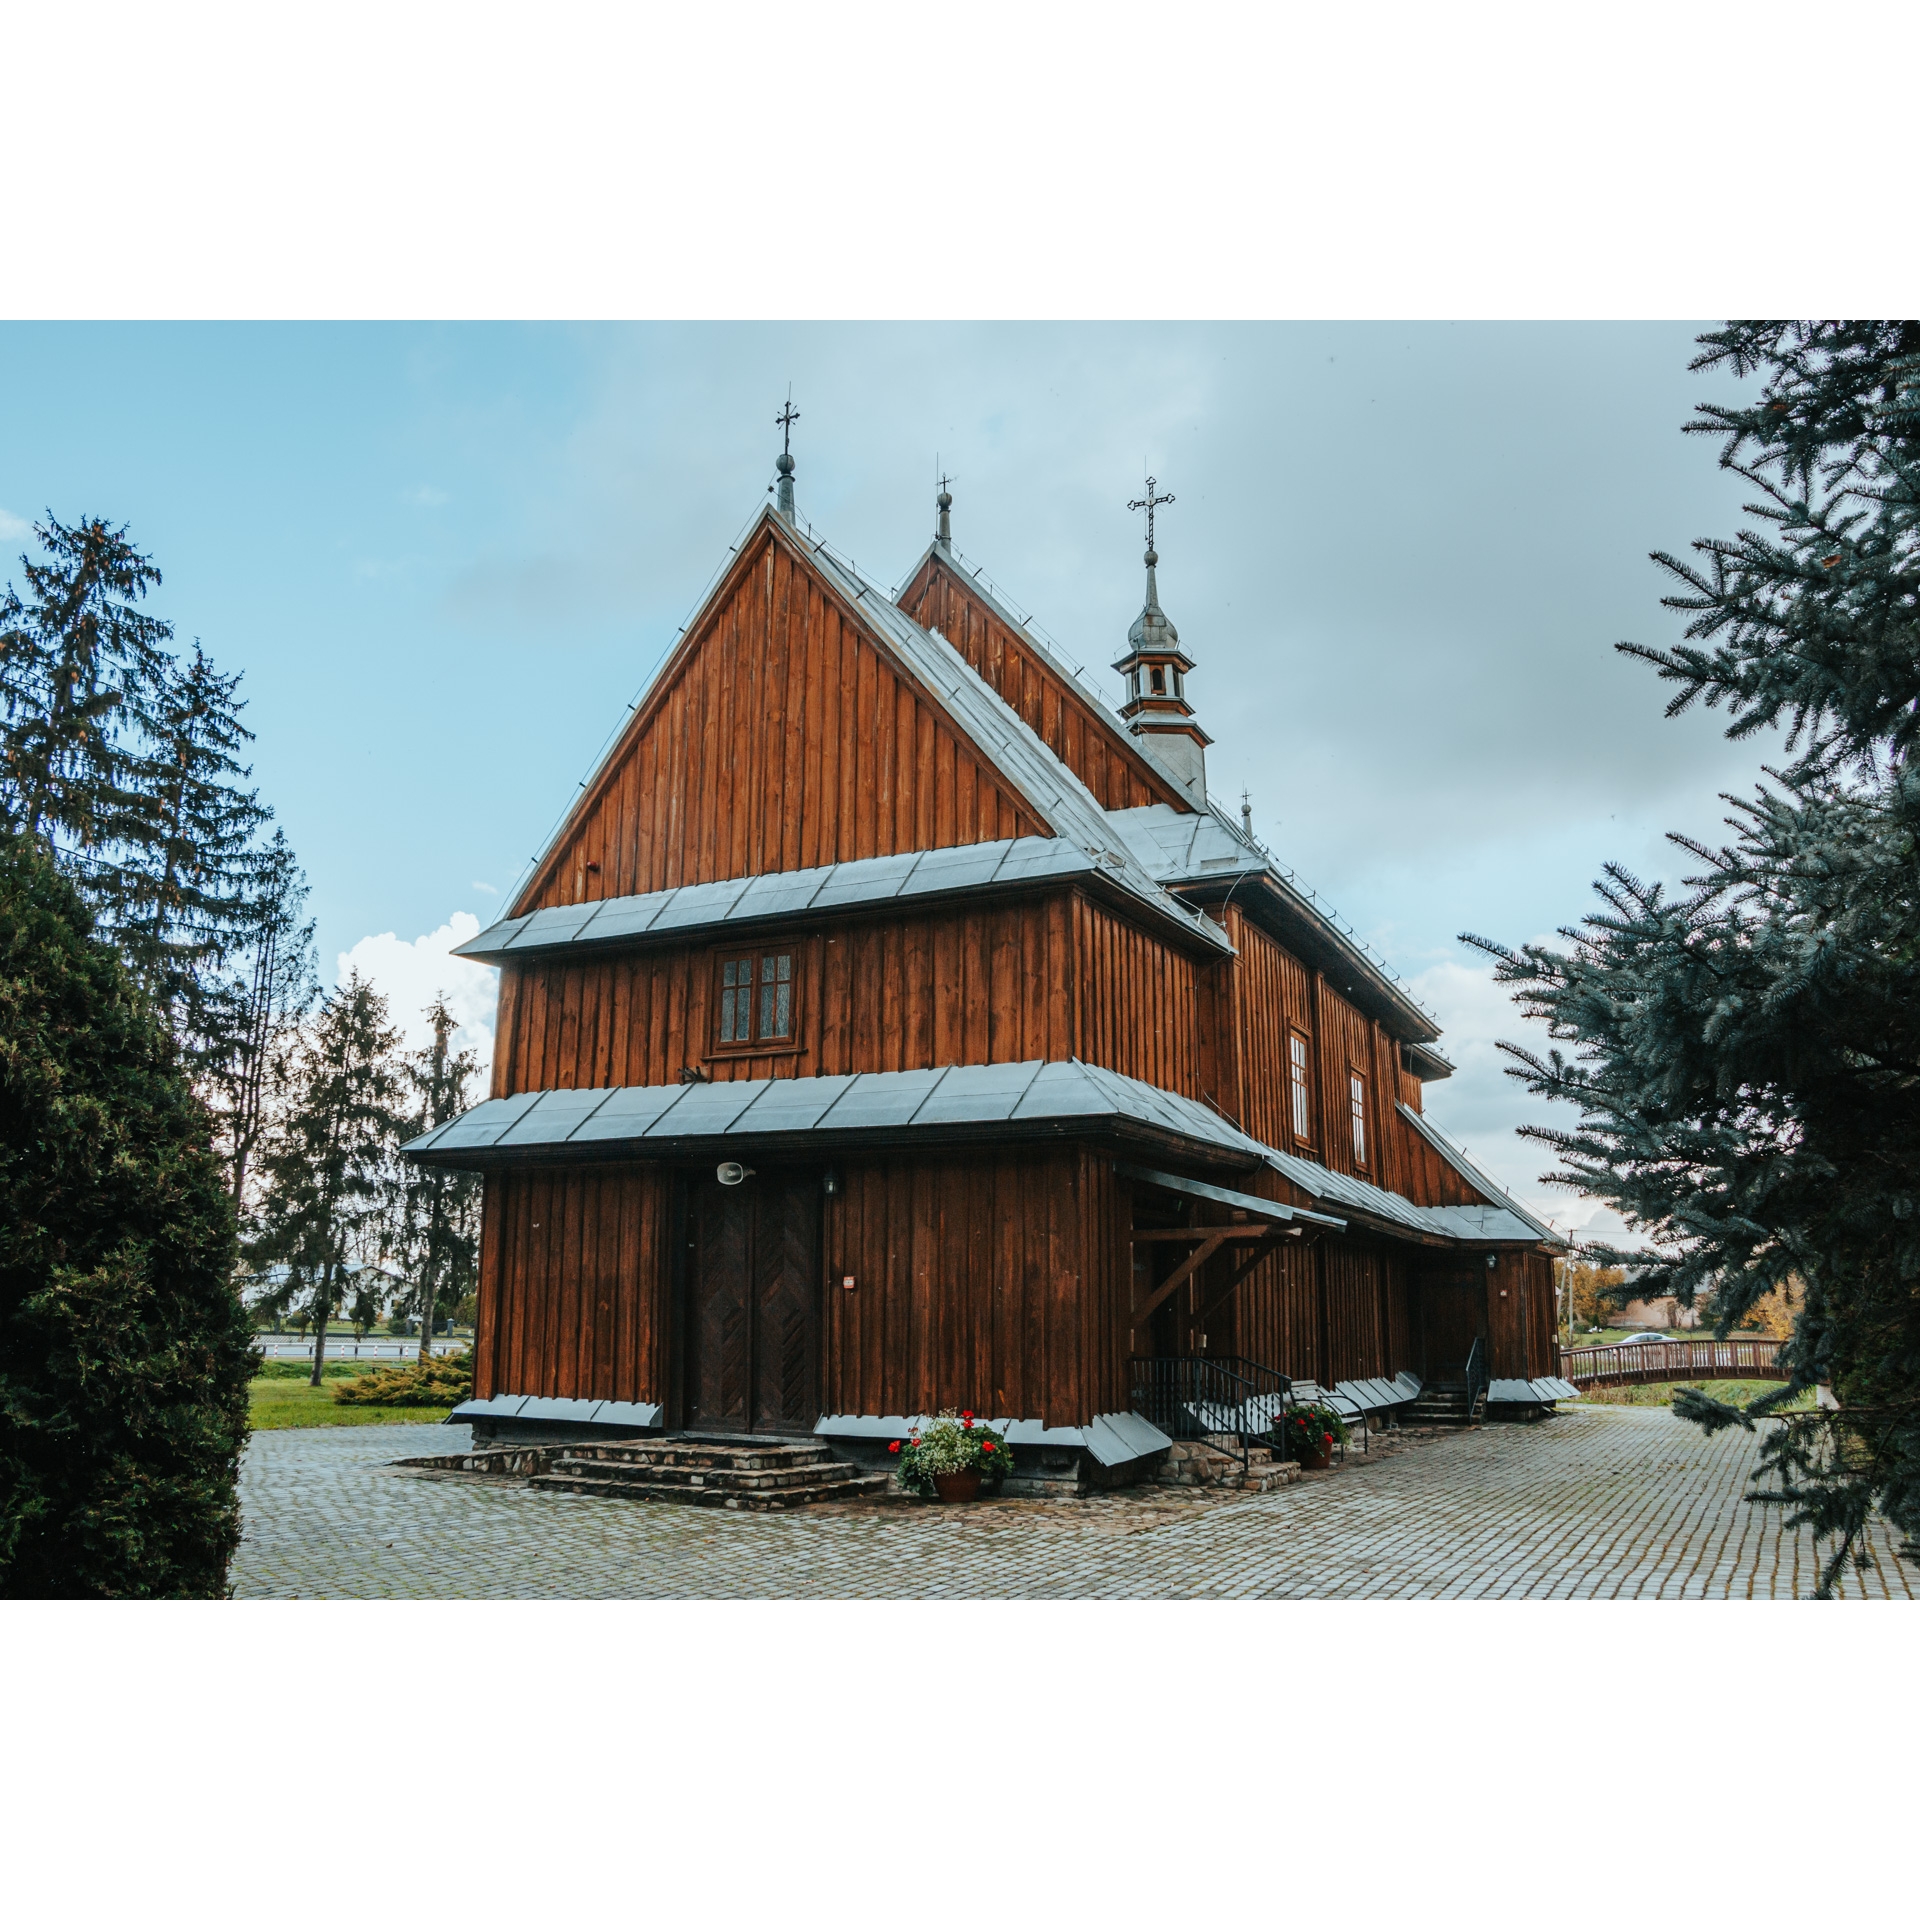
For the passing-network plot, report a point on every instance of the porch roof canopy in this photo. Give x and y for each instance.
(1021, 1100)
(1024, 1099)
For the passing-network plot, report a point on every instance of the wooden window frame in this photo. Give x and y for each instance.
(1300, 1092)
(1357, 1112)
(755, 1046)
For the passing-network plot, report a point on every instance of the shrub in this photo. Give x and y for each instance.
(124, 1344)
(951, 1443)
(443, 1381)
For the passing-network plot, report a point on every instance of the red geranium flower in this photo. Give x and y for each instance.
(986, 1446)
(895, 1448)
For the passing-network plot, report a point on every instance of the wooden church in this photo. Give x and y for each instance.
(892, 1025)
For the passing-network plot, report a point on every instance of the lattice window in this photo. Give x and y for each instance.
(754, 1000)
(1297, 1082)
(1357, 1101)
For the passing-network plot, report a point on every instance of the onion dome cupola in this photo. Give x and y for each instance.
(1155, 668)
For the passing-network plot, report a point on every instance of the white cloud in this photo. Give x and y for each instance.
(12, 527)
(410, 973)
(426, 497)
(1481, 1108)
(480, 886)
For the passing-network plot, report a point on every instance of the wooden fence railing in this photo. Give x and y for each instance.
(1652, 1362)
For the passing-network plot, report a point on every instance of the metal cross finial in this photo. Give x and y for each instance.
(1150, 502)
(784, 420)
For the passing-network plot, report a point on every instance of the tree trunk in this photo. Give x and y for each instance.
(322, 1313)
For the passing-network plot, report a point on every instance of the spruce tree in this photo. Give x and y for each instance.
(1747, 1047)
(440, 1217)
(328, 1164)
(189, 891)
(124, 1347)
(81, 667)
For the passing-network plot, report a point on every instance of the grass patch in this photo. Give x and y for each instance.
(283, 1402)
(303, 1369)
(1736, 1393)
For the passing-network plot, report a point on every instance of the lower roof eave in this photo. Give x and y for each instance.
(813, 1146)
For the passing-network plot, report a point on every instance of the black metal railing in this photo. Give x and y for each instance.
(1476, 1377)
(1223, 1402)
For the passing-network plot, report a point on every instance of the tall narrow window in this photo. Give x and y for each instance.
(1357, 1100)
(1297, 1081)
(753, 1003)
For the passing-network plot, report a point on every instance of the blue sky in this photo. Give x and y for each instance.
(446, 556)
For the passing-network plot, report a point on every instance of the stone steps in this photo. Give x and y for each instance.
(712, 1456)
(754, 1479)
(1437, 1407)
(1189, 1464)
(717, 1490)
(737, 1474)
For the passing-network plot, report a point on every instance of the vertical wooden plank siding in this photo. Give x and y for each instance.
(573, 1284)
(780, 736)
(1064, 715)
(980, 1281)
(1046, 977)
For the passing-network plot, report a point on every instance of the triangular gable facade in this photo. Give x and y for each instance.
(784, 733)
(944, 597)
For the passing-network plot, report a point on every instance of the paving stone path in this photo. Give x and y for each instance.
(1597, 1503)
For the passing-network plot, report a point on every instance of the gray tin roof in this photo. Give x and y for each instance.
(1050, 788)
(1479, 1181)
(1185, 849)
(725, 905)
(1050, 1095)
(1071, 673)
(1026, 1092)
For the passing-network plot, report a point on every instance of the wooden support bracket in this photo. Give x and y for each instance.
(1216, 1238)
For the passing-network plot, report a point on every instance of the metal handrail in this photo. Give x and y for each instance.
(1476, 1376)
(1217, 1399)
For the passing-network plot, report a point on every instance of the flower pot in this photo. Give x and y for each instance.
(956, 1487)
(1323, 1453)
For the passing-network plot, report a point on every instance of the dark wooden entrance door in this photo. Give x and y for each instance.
(1453, 1315)
(753, 1305)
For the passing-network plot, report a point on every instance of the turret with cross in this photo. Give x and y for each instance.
(784, 420)
(1155, 668)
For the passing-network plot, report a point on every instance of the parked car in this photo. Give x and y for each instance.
(1641, 1339)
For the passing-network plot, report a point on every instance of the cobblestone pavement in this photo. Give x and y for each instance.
(1596, 1503)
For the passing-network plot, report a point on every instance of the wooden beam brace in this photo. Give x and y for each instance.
(1245, 1266)
(1198, 1257)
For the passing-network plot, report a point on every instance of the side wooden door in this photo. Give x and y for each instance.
(753, 1306)
(786, 1307)
(719, 1307)
(1453, 1315)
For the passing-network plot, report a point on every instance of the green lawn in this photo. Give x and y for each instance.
(1736, 1393)
(280, 1397)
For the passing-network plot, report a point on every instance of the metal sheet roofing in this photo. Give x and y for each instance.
(1018, 1092)
(1022, 624)
(1051, 787)
(726, 904)
(1182, 849)
(1481, 1182)
(1025, 1091)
